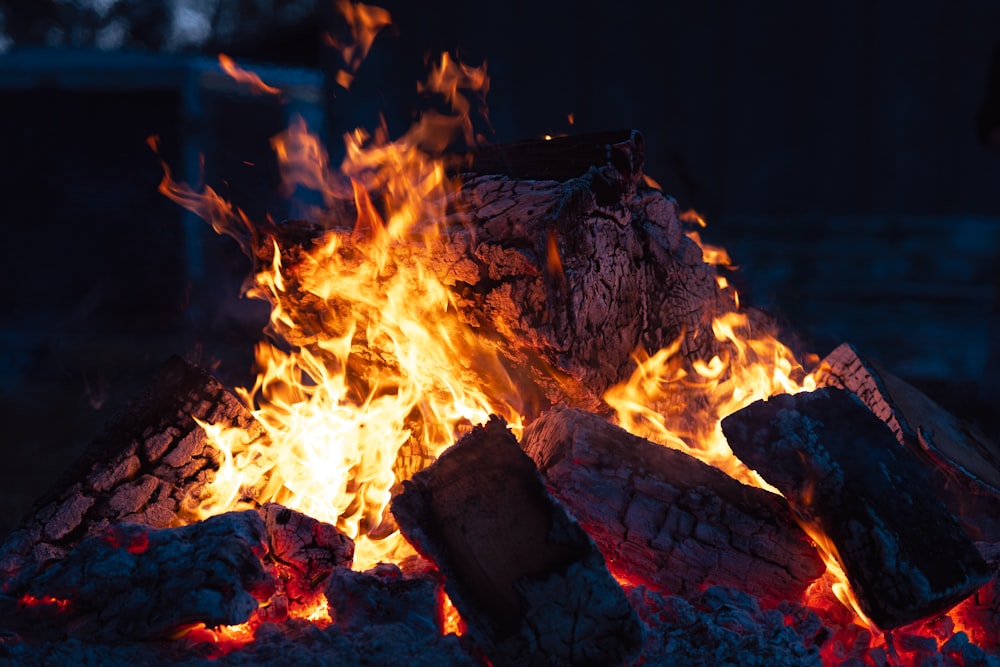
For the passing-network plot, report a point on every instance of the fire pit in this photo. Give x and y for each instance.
(494, 424)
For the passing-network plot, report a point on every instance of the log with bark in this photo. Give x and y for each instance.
(150, 465)
(665, 519)
(963, 462)
(843, 472)
(556, 251)
(531, 586)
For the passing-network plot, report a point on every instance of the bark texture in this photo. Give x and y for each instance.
(302, 554)
(665, 519)
(149, 466)
(842, 470)
(964, 464)
(530, 585)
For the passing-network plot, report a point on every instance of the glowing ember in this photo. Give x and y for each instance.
(47, 601)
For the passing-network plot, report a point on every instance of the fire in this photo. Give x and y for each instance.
(391, 368)
(680, 407)
(363, 23)
(254, 82)
(375, 362)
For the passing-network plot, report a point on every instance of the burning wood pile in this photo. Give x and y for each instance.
(457, 452)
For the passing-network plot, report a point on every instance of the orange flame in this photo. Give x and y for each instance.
(256, 85)
(364, 23)
(393, 368)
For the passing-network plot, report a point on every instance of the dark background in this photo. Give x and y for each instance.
(833, 148)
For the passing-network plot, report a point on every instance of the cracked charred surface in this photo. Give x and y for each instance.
(149, 466)
(664, 519)
(530, 585)
(567, 277)
(130, 582)
(964, 465)
(843, 471)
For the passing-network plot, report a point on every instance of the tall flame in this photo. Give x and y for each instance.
(393, 374)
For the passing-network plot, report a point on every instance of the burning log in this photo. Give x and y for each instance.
(843, 472)
(964, 464)
(147, 467)
(302, 554)
(666, 519)
(530, 585)
(566, 277)
(133, 583)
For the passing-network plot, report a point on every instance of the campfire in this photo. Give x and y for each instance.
(509, 411)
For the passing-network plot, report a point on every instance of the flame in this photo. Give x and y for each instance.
(451, 621)
(257, 86)
(391, 368)
(376, 368)
(364, 22)
(682, 406)
(835, 579)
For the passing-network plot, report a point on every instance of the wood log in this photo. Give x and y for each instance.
(665, 519)
(964, 463)
(148, 466)
(131, 582)
(383, 616)
(567, 277)
(302, 553)
(531, 586)
(843, 472)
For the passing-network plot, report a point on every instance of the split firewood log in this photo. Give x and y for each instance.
(664, 518)
(302, 553)
(964, 463)
(149, 466)
(555, 251)
(530, 585)
(131, 582)
(843, 472)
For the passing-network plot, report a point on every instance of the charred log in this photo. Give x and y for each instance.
(530, 585)
(302, 554)
(134, 583)
(663, 518)
(843, 472)
(148, 467)
(964, 464)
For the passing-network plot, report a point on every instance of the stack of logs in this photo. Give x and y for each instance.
(579, 545)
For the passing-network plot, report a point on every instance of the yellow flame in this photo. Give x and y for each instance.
(836, 578)
(382, 363)
(681, 404)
